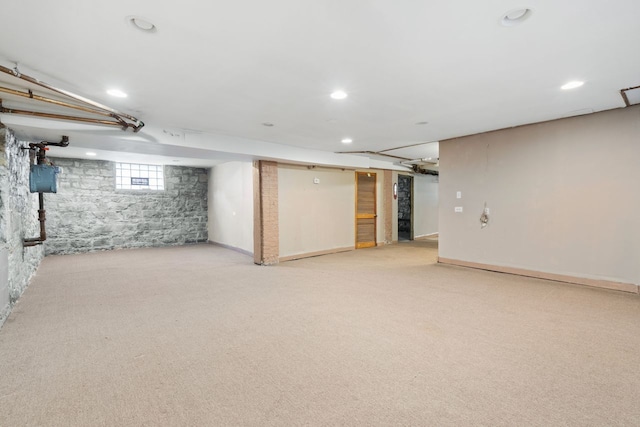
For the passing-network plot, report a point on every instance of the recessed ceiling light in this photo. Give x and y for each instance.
(267, 124)
(347, 140)
(571, 85)
(515, 17)
(142, 24)
(90, 153)
(117, 93)
(339, 94)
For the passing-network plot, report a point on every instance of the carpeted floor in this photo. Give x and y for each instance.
(199, 336)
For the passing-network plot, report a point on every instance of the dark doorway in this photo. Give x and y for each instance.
(405, 207)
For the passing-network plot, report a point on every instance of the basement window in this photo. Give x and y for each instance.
(132, 176)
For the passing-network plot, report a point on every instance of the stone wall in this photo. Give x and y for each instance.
(89, 214)
(18, 220)
(404, 203)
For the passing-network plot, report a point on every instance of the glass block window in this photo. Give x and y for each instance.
(131, 176)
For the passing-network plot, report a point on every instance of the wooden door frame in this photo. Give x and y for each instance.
(375, 215)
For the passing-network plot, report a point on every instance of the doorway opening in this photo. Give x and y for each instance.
(405, 208)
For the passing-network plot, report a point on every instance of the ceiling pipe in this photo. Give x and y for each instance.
(377, 153)
(120, 117)
(384, 152)
(29, 94)
(407, 146)
(122, 125)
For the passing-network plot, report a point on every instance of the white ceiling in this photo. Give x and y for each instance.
(214, 71)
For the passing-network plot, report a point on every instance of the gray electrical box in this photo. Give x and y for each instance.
(43, 179)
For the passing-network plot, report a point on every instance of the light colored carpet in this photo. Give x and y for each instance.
(199, 336)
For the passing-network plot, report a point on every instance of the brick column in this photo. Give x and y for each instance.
(266, 234)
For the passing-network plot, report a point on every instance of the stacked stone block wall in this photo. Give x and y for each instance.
(18, 220)
(404, 203)
(89, 214)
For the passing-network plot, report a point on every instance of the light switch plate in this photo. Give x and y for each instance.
(458, 194)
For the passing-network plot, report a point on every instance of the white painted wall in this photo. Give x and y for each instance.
(563, 197)
(315, 217)
(425, 205)
(231, 205)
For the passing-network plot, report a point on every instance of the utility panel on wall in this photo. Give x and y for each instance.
(43, 178)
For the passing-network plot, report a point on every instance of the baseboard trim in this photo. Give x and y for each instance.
(595, 283)
(318, 253)
(426, 236)
(233, 248)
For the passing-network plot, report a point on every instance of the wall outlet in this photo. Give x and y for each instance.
(458, 194)
(458, 209)
(316, 180)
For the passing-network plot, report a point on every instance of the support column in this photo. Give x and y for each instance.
(266, 234)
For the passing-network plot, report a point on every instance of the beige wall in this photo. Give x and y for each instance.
(315, 217)
(563, 197)
(231, 205)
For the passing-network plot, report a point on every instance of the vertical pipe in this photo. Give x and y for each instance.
(41, 216)
(41, 212)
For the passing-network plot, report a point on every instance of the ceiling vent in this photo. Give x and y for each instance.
(631, 96)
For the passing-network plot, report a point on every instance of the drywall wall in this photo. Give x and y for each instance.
(89, 214)
(563, 197)
(316, 217)
(231, 205)
(18, 220)
(425, 205)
